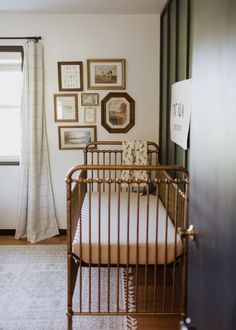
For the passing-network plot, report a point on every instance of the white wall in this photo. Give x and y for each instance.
(78, 37)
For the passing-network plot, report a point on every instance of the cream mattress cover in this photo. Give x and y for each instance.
(104, 259)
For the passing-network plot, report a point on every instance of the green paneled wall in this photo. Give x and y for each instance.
(175, 62)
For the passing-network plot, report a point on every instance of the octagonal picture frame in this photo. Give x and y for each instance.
(117, 112)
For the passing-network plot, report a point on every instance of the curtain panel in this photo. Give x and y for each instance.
(36, 217)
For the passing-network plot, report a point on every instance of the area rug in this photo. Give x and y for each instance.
(33, 291)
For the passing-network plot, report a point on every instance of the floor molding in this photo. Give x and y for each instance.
(11, 232)
(63, 231)
(7, 232)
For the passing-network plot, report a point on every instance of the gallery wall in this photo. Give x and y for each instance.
(77, 38)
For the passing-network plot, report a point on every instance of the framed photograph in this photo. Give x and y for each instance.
(70, 76)
(66, 107)
(89, 99)
(106, 73)
(76, 137)
(90, 115)
(117, 112)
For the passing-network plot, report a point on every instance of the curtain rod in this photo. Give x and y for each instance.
(28, 38)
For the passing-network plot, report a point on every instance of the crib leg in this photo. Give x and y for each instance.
(69, 321)
(69, 291)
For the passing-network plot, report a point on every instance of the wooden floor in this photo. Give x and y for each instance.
(144, 323)
(10, 240)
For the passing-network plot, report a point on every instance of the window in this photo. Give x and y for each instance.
(10, 99)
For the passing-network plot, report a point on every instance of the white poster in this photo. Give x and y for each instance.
(181, 101)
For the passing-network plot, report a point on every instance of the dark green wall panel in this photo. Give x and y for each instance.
(182, 40)
(172, 75)
(175, 66)
(163, 84)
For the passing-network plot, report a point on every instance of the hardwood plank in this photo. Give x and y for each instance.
(149, 323)
(10, 240)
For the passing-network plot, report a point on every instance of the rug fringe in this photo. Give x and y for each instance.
(132, 323)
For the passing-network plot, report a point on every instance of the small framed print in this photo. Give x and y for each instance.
(76, 137)
(66, 107)
(89, 99)
(118, 112)
(90, 115)
(106, 74)
(70, 76)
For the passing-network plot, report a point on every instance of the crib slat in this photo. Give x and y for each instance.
(92, 164)
(115, 164)
(137, 250)
(147, 251)
(81, 250)
(109, 246)
(121, 162)
(185, 247)
(118, 250)
(156, 248)
(90, 246)
(175, 247)
(166, 246)
(127, 256)
(99, 247)
(103, 172)
(109, 164)
(70, 207)
(98, 162)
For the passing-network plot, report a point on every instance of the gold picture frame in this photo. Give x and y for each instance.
(90, 115)
(70, 76)
(76, 137)
(89, 99)
(106, 74)
(66, 108)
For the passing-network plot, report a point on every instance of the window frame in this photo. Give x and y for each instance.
(13, 49)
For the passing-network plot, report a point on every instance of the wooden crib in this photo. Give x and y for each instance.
(134, 237)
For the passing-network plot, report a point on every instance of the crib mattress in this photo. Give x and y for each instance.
(166, 250)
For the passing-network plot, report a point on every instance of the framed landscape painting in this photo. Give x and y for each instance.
(117, 112)
(106, 74)
(76, 137)
(89, 99)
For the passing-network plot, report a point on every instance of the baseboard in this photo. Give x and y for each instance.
(7, 232)
(63, 231)
(11, 232)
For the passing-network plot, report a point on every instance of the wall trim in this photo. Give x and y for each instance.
(63, 231)
(11, 232)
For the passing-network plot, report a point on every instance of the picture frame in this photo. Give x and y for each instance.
(76, 137)
(89, 99)
(66, 108)
(118, 112)
(90, 115)
(106, 74)
(70, 76)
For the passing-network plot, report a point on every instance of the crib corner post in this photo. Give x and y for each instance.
(69, 292)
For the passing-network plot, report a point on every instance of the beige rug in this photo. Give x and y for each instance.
(33, 291)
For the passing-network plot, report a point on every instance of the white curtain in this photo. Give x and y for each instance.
(36, 216)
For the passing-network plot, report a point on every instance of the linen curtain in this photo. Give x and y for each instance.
(36, 213)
